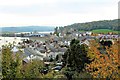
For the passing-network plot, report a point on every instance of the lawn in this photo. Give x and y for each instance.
(103, 31)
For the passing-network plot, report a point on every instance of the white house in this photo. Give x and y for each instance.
(89, 33)
(15, 49)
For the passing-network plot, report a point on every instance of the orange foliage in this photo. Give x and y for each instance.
(104, 65)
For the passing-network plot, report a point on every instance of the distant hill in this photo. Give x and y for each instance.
(27, 29)
(89, 26)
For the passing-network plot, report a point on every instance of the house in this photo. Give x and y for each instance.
(31, 57)
(15, 49)
(85, 42)
(88, 33)
(63, 49)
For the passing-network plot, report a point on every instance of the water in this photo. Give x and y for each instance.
(7, 40)
(27, 29)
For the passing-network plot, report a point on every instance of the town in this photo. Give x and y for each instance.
(50, 47)
(59, 39)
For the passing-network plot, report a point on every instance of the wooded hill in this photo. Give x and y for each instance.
(88, 26)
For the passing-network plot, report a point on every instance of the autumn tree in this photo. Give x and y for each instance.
(104, 65)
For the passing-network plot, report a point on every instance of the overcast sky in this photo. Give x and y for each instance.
(55, 12)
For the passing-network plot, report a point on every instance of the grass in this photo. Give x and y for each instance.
(104, 31)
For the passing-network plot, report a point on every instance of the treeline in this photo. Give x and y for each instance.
(88, 26)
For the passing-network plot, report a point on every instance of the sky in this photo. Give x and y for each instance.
(55, 12)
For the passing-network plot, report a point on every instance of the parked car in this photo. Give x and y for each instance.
(58, 68)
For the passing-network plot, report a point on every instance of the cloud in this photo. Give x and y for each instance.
(55, 12)
(119, 10)
(25, 2)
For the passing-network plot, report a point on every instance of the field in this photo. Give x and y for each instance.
(103, 31)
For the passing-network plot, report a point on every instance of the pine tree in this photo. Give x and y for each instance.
(6, 62)
(75, 58)
(11, 64)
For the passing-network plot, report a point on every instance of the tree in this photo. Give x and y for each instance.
(89, 26)
(6, 59)
(56, 31)
(32, 69)
(12, 66)
(104, 65)
(10, 63)
(75, 57)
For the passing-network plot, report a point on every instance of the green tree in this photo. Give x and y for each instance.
(88, 26)
(32, 69)
(11, 63)
(75, 58)
(56, 31)
(6, 59)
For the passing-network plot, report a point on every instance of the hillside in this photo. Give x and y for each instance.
(88, 26)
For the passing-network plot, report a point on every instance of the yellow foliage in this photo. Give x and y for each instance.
(106, 64)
